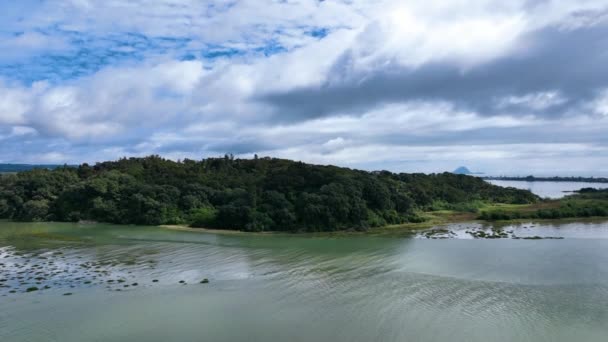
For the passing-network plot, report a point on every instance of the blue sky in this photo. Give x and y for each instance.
(501, 87)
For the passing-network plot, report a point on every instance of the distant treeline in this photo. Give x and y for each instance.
(551, 179)
(259, 194)
(4, 168)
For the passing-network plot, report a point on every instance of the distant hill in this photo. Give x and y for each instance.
(26, 167)
(463, 170)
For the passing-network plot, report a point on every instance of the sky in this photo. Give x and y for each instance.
(503, 87)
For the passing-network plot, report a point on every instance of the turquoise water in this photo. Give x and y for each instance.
(300, 288)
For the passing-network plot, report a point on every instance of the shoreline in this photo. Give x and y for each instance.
(405, 229)
(183, 228)
(401, 230)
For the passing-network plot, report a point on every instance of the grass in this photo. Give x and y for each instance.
(522, 208)
(562, 210)
(575, 206)
(431, 219)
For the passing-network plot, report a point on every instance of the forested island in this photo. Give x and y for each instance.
(264, 194)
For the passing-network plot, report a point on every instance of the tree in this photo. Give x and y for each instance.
(35, 210)
(258, 194)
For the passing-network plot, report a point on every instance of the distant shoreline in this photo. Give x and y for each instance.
(549, 179)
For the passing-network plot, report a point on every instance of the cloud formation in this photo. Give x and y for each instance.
(502, 87)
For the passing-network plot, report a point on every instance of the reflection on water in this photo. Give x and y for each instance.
(549, 189)
(303, 288)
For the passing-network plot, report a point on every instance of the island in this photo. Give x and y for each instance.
(270, 194)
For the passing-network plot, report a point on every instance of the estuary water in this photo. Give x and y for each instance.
(549, 189)
(122, 283)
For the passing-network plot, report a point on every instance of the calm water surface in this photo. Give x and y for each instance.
(300, 288)
(549, 189)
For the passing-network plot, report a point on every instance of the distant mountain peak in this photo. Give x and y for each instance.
(463, 170)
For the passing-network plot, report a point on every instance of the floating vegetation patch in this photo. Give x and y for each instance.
(492, 233)
(439, 233)
(536, 237)
(481, 232)
(44, 269)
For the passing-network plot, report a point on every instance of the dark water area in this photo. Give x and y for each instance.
(129, 283)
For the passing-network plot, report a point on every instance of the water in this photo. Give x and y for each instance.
(549, 189)
(301, 288)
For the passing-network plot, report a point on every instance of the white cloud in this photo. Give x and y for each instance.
(108, 105)
(186, 108)
(13, 105)
(430, 158)
(18, 46)
(404, 37)
(600, 104)
(534, 101)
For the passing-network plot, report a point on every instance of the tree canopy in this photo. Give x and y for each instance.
(260, 194)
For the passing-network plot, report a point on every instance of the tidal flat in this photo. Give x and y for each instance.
(98, 282)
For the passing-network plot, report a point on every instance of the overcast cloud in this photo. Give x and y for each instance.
(503, 87)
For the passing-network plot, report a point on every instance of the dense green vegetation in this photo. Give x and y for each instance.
(588, 202)
(257, 194)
